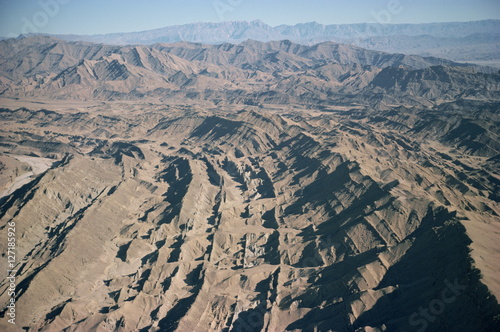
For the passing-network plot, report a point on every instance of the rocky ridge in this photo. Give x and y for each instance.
(252, 72)
(179, 218)
(251, 187)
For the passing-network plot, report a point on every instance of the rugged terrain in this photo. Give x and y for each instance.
(252, 187)
(476, 41)
(251, 73)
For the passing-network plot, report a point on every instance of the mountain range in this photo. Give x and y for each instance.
(250, 186)
(251, 72)
(460, 41)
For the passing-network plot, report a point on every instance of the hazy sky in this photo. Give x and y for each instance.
(105, 16)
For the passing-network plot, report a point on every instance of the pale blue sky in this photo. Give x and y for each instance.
(105, 16)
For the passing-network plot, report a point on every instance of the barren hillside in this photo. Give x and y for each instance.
(251, 187)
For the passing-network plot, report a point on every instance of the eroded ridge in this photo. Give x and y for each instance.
(179, 219)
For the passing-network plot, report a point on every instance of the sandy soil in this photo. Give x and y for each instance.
(23, 173)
